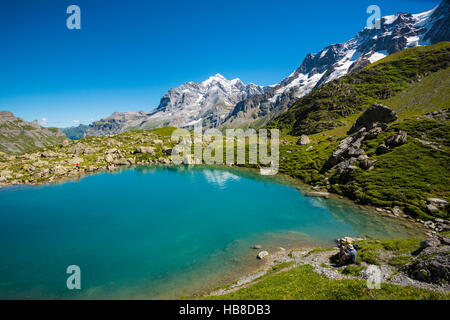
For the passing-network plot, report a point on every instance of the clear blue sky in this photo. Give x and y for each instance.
(128, 54)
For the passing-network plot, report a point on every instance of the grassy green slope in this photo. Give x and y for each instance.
(430, 94)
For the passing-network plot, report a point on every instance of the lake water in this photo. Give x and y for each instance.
(161, 232)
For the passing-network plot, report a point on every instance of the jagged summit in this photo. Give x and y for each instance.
(209, 101)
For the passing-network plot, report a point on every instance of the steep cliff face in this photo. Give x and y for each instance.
(18, 135)
(397, 33)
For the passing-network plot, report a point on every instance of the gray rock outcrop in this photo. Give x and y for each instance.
(376, 113)
(432, 264)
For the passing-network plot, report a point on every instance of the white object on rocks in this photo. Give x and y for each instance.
(262, 255)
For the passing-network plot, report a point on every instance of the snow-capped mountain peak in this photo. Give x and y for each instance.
(210, 100)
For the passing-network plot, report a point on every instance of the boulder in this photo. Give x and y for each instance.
(444, 240)
(122, 162)
(376, 113)
(398, 139)
(432, 208)
(257, 246)
(429, 224)
(262, 255)
(367, 164)
(149, 150)
(437, 202)
(373, 133)
(303, 140)
(431, 242)
(397, 211)
(49, 154)
(382, 149)
(167, 150)
(109, 158)
(346, 165)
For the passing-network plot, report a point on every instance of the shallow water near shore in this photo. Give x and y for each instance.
(163, 232)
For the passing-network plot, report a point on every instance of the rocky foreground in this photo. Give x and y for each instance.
(407, 263)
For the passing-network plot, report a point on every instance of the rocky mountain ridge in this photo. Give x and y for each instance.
(209, 101)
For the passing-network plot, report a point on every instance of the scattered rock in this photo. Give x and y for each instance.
(437, 202)
(304, 140)
(122, 162)
(429, 224)
(49, 154)
(367, 164)
(397, 210)
(431, 242)
(397, 140)
(372, 134)
(382, 149)
(257, 246)
(149, 150)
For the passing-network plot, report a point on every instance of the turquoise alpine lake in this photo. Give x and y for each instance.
(163, 232)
